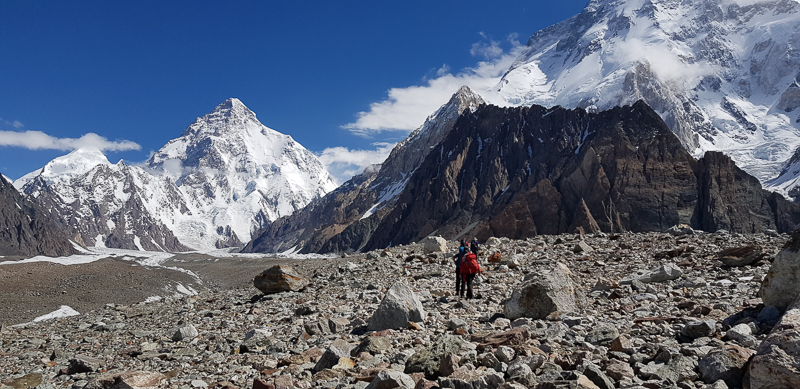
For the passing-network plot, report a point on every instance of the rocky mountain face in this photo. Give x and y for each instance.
(722, 74)
(226, 176)
(346, 218)
(111, 205)
(28, 230)
(521, 172)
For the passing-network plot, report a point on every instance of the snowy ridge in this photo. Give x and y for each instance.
(721, 73)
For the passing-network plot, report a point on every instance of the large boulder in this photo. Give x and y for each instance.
(392, 379)
(777, 362)
(398, 307)
(434, 244)
(544, 294)
(127, 379)
(280, 278)
(782, 283)
(727, 364)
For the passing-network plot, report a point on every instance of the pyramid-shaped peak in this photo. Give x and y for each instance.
(232, 107)
(465, 98)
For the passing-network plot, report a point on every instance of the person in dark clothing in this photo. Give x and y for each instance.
(462, 251)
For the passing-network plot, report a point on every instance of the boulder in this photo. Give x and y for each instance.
(398, 307)
(392, 379)
(280, 278)
(727, 364)
(434, 244)
(777, 362)
(128, 379)
(699, 329)
(741, 256)
(544, 294)
(465, 377)
(782, 283)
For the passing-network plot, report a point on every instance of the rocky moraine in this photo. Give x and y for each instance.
(682, 309)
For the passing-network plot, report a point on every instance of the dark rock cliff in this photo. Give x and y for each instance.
(524, 171)
(519, 172)
(26, 230)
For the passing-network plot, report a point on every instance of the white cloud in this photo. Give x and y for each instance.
(16, 123)
(344, 163)
(405, 109)
(37, 140)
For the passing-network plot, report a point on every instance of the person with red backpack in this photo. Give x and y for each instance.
(469, 269)
(458, 258)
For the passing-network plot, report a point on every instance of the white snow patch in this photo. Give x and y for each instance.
(64, 311)
(189, 291)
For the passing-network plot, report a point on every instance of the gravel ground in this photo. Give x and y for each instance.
(31, 290)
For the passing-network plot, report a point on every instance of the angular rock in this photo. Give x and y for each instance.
(699, 329)
(782, 284)
(727, 364)
(428, 360)
(373, 345)
(398, 307)
(280, 278)
(338, 349)
(128, 380)
(84, 364)
(391, 379)
(434, 244)
(741, 256)
(185, 333)
(539, 297)
(777, 362)
(338, 325)
(665, 272)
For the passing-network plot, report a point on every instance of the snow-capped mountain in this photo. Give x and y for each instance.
(225, 177)
(113, 205)
(237, 175)
(723, 74)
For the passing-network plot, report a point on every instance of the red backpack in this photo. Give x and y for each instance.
(469, 264)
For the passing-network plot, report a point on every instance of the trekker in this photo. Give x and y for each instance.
(469, 269)
(458, 258)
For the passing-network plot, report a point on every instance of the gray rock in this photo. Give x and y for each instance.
(544, 294)
(782, 284)
(256, 340)
(776, 363)
(727, 364)
(338, 325)
(127, 379)
(398, 307)
(83, 364)
(185, 333)
(434, 244)
(373, 345)
(504, 354)
(427, 360)
(392, 379)
(338, 349)
(602, 335)
(598, 377)
(699, 329)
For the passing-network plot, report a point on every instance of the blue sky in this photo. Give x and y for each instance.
(346, 79)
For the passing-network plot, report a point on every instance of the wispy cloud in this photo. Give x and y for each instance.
(343, 163)
(406, 108)
(16, 123)
(37, 140)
